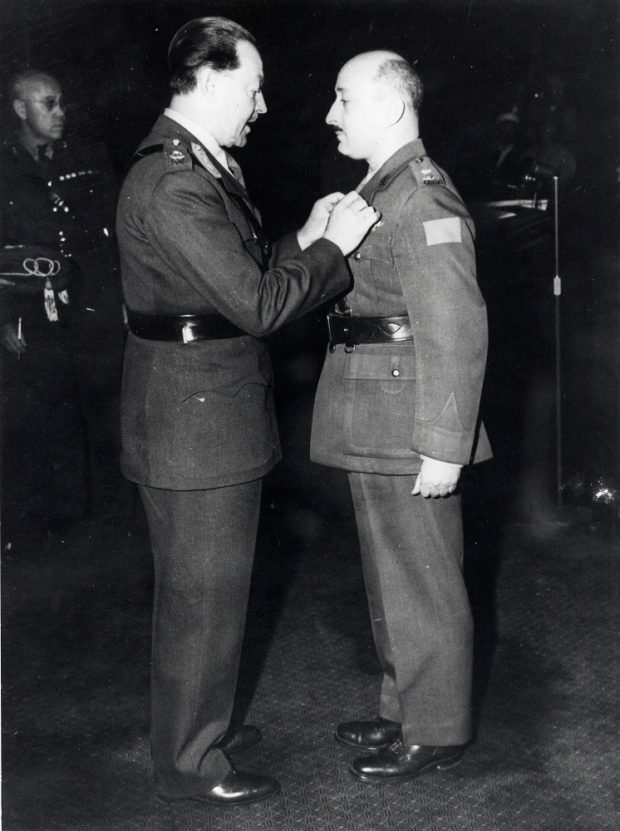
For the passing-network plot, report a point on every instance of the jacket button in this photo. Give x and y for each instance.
(396, 373)
(357, 256)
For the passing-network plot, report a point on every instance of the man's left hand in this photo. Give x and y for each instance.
(436, 478)
(315, 225)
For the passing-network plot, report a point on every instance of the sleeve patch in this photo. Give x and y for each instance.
(438, 231)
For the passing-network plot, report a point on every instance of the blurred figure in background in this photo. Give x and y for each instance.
(551, 129)
(505, 168)
(62, 346)
(552, 111)
(545, 149)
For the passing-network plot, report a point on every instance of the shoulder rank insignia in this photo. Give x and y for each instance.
(175, 155)
(428, 177)
(202, 157)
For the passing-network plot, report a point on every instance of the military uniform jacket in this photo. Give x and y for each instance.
(200, 415)
(65, 204)
(380, 406)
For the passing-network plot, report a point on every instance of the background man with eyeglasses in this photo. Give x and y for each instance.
(62, 335)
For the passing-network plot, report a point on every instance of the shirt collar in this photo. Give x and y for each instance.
(390, 168)
(201, 134)
(33, 147)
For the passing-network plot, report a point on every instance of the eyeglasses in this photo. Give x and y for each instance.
(50, 102)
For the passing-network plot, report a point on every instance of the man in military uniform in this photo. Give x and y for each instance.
(397, 407)
(59, 197)
(198, 423)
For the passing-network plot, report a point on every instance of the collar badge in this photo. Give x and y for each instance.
(204, 160)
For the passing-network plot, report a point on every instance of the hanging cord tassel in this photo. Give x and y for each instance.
(49, 301)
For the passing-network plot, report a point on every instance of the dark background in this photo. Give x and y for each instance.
(473, 55)
(77, 606)
(477, 58)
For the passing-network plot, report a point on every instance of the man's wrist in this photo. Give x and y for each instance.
(304, 239)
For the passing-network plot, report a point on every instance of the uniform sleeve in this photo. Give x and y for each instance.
(191, 231)
(435, 257)
(285, 247)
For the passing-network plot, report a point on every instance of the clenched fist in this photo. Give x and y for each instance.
(314, 227)
(349, 222)
(436, 478)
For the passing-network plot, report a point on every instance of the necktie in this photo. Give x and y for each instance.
(43, 158)
(235, 170)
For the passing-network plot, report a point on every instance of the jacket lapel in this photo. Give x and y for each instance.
(168, 128)
(392, 167)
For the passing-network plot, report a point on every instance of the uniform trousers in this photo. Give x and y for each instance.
(412, 555)
(203, 548)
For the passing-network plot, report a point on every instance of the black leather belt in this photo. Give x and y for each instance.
(355, 330)
(182, 328)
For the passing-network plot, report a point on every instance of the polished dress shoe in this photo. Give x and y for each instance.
(398, 762)
(237, 788)
(242, 738)
(368, 735)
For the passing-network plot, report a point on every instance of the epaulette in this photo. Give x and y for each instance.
(425, 172)
(176, 155)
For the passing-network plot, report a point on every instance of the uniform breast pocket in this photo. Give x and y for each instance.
(371, 265)
(380, 383)
(377, 248)
(249, 232)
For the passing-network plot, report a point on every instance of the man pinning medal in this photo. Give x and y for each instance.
(198, 422)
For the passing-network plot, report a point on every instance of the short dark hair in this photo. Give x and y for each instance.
(402, 77)
(18, 83)
(205, 41)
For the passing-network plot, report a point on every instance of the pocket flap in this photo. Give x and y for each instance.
(377, 247)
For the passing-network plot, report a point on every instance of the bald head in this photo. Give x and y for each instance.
(37, 102)
(376, 108)
(389, 71)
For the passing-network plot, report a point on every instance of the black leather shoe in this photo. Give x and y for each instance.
(237, 788)
(368, 735)
(398, 763)
(242, 738)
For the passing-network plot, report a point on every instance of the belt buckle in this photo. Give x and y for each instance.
(332, 345)
(333, 341)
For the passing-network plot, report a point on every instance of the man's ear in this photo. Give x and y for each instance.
(395, 109)
(206, 79)
(20, 109)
